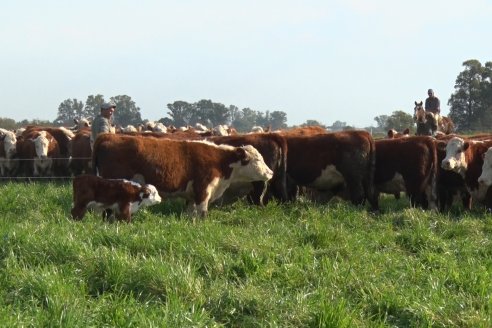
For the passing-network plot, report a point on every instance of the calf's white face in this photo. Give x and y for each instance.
(486, 176)
(150, 196)
(455, 155)
(255, 168)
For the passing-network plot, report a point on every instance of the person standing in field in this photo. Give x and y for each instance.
(102, 122)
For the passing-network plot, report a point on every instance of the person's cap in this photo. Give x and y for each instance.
(430, 91)
(108, 105)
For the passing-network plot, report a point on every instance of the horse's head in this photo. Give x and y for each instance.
(419, 113)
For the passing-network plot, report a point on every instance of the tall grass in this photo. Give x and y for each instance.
(294, 265)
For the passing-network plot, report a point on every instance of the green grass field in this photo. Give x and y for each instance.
(295, 265)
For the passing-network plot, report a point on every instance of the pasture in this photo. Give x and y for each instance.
(293, 265)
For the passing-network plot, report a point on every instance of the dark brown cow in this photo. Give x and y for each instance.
(273, 148)
(465, 157)
(408, 164)
(81, 160)
(334, 162)
(195, 170)
(119, 197)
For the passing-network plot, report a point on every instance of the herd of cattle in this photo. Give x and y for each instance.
(203, 168)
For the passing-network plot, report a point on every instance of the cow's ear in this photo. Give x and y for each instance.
(145, 192)
(391, 134)
(441, 145)
(242, 155)
(465, 146)
(406, 131)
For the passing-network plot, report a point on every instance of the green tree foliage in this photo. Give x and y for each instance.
(277, 120)
(69, 110)
(210, 113)
(313, 123)
(399, 121)
(93, 106)
(338, 125)
(126, 112)
(382, 122)
(471, 102)
(7, 123)
(180, 112)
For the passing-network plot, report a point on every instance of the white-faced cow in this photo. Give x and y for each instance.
(118, 197)
(198, 171)
(8, 163)
(38, 152)
(466, 158)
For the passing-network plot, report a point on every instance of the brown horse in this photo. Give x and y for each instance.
(426, 121)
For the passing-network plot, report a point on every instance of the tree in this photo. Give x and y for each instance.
(313, 123)
(93, 106)
(210, 113)
(245, 120)
(278, 120)
(180, 112)
(338, 125)
(382, 121)
(399, 121)
(126, 112)
(471, 102)
(68, 110)
(7, 123)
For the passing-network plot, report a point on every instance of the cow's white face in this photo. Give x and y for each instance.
(455, 155)
(486, 176)
(41, 144)
(150, 196)
(254, 170)
(9, 143)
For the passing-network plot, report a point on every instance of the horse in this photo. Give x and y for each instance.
(426, 121)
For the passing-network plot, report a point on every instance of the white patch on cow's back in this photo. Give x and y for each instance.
(209, 143)
(329, 178)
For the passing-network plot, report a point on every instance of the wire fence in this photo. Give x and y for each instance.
(49, 178)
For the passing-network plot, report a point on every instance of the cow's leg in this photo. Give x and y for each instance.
(258, 193)
(78, 211)
(124, 212)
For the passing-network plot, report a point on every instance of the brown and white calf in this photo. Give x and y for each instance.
(38, 153)
(118, 196)
(198, 171)
(465, 157)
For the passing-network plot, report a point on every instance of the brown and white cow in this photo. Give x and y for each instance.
(393, 134)
(409, 165)
(273, 149)
(8, 163)
(198, 171)
(80, 161)
(118, 197)
(465, 157)
(39, 153)
(334, 162)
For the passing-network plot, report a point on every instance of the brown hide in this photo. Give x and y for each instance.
(415, 159)
(273, 148)
(81, 152)
(89, 188)
(352, 153)
(167, 164)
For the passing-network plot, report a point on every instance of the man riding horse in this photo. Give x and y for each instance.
(433, 105)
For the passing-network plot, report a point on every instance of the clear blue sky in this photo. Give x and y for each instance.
(347, 60)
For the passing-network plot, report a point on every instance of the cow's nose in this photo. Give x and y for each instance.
(481, 181)
(445, 165)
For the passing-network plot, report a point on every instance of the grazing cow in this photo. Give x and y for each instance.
(198, 171)
(393, 134)
(273, 149)
(81, 160)
(334, 162)
(121, 196)
(8, 163)
(38, 152)
(465, 157)
(410, 165)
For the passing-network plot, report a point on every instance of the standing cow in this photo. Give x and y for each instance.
(198, 171)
